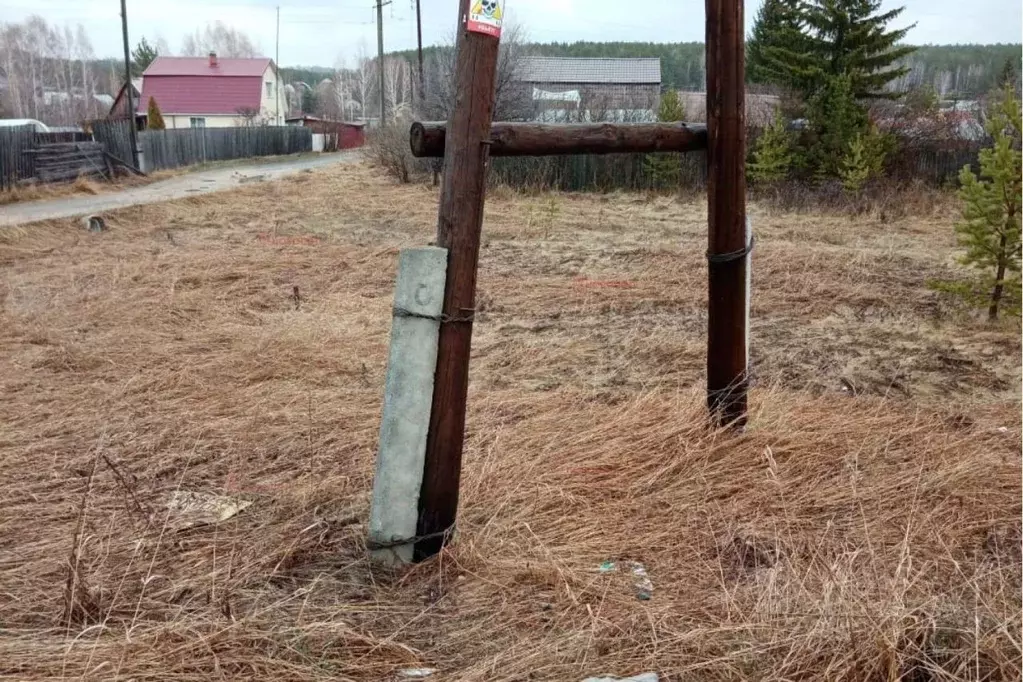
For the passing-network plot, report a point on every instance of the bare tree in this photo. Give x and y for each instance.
(398, 86)
(218, 37)
(49, 72)
(359, 85)
(511, 102)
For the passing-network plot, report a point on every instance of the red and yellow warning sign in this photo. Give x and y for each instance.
(485, 16)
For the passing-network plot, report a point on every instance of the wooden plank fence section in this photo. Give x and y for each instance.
(69, 160)
(183, 147)
(15, 165)
(116, 138)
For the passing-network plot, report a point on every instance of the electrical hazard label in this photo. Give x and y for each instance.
(485, 16)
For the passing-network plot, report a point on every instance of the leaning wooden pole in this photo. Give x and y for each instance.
(459, 222)
(726, 191)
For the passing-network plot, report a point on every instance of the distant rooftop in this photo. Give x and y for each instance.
(638, 70)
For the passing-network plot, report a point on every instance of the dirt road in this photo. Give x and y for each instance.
(200, 182)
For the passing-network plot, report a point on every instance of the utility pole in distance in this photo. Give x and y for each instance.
(419, 50)
(127, 88)
(380, 58)
(459, 221)
(277, 67)
(728, 252)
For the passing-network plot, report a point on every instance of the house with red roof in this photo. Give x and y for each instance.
(209, 92)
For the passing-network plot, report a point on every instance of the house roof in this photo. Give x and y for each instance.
(189, 85)
(635, 70)
(118, 105)
(200, 66)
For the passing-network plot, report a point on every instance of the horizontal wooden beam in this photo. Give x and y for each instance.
(541, 139)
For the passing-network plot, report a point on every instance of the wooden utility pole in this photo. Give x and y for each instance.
(277, 70)
(127, 88)
(459, 221)
(427, 139)
(380, 59)
(726, 191)
(419, 51)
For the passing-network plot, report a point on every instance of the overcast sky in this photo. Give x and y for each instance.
(323, 32)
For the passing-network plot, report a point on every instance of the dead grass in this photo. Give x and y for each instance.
(82, 186)
(866, 527)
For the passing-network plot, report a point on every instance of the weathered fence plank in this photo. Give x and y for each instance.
(15, 165)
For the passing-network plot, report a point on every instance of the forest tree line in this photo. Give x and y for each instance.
(954, 71)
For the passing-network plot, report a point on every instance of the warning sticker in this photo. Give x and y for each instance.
(485, 17)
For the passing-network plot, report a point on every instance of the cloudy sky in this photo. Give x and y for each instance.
(323, 32)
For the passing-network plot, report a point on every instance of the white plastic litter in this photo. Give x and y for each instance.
(643, 677)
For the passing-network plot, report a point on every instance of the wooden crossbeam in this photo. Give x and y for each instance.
(427, 139)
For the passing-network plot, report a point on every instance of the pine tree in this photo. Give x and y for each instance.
(154, 117)
(990, 229)
(863, 161)
(841, 38)
(142, 56)
(772, 154)
(666, 169)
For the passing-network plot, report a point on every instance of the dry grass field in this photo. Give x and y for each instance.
(865, 527)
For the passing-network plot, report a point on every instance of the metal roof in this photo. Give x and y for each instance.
(200, 66)
(635, 70)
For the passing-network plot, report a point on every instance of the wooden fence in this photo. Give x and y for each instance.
(933, 164)
(116, 138)
(15, 164)
(163, 149)
(593, 172)
(62, 161)
(184, 147)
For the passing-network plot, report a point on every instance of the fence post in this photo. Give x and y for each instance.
(459, 221)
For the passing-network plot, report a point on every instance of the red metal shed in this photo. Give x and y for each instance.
(340, 134)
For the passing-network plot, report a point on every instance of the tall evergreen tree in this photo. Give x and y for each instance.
(142, 56)
(776, 27)
(840, 38)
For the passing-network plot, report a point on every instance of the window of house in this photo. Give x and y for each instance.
(269, 89)
(197, 122)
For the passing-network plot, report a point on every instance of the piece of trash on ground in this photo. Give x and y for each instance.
(640, 579)
(643, 677)
(417, 673)
(189, 508)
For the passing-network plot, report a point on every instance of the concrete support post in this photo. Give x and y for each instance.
(408, 395)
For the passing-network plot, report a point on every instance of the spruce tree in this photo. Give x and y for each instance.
(841, 38)
(776, 31)
(990, 229)
(835, 121)
(154, 117)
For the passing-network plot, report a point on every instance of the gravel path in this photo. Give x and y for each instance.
(214, 180)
